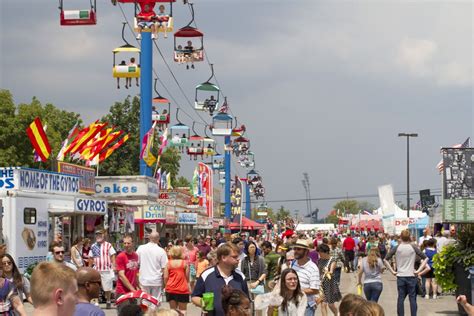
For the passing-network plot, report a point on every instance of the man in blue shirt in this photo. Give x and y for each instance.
(88, 281)
(224, 273)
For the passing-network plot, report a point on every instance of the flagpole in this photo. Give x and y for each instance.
(98, 163)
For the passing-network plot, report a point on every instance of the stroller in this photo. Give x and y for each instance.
(140, 298)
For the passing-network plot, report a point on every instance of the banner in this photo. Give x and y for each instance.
(87, 180)
(458, 184)
(207, 188)
(236, 197)
(388, 206)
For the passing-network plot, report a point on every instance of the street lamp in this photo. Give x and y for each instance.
(408, 135)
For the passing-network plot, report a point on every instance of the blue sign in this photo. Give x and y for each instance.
(187, 218)
(90, 205)
(6, 179)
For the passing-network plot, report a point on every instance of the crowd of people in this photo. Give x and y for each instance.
(232, 275)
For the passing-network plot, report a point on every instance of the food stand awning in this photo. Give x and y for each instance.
(247, 224)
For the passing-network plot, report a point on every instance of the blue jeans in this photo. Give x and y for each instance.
(373, 290)
(406, 286)
(310, 311)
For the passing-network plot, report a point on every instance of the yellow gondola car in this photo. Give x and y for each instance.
(126, 69)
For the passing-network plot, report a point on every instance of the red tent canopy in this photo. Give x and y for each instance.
(247, 224)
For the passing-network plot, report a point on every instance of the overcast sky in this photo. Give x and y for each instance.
(323, 87)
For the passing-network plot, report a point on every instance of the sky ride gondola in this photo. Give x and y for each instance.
(163, 22)
(218, 162)
(222, 123)
(179, 134)
(124, 70)
(162, 119)
(241, 145)
(196, 147)
(247, 160)
(212, 92)
(185, 51)
(209, 144)
(78, 17)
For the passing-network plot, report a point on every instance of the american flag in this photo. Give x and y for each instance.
(466, 144)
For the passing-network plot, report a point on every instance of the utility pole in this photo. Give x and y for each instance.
(408, 135)
(306, 178)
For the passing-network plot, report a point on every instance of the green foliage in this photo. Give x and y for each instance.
(332, 219)
(15, 146)
(181, 182)
(462, 252)
(125, 160)
(348, 206)
(170, 162)
(443, 264)
(282, 214)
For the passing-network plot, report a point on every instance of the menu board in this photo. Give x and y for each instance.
(458, 184)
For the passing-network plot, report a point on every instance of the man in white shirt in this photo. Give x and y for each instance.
(443, 241)
(426, 236)
(308, 274)
(153, 261)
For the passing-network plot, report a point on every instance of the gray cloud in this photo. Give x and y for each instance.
(323, 87)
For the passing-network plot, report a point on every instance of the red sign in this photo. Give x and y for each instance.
(207, 188)
(87, 180)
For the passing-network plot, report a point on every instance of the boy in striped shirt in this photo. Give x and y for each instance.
(103, 255)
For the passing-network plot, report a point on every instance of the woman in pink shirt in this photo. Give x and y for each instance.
(190, 255)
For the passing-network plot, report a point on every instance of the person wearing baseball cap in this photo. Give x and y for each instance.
(308, 274)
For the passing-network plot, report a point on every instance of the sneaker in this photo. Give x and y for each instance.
(166, 35)
(139, 36)
(427, 297)
(187, 66)
(435, 297)
(153, 36)
(192, 66)
(126, 87)
(118, 87)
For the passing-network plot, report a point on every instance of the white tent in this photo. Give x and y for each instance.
(315, 227)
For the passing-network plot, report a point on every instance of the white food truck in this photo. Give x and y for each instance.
(32, 203)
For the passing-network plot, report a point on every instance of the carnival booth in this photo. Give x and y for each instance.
(40, 206)
(127, 197)
(247, 225)
(416, 228)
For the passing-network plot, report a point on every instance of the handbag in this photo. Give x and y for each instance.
(258, 290)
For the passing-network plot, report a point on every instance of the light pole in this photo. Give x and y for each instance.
(408, 135)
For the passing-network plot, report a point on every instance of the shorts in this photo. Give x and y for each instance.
(180, 298)
(145, 24)
(430, 274)
(107, 278)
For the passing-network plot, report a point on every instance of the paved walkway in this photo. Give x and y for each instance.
(444, 305)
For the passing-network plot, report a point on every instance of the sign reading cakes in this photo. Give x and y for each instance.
(34, 180)
(188, 218)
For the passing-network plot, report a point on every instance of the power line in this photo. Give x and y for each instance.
(345, 197)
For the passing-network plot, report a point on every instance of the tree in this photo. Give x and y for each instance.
(282, 214)
(181, 182)
(347, 206)
(15, 146)
(170, 163)
(332, 219)
(366, 206)
(125, 160)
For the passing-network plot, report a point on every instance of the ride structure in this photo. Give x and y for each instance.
(78, 17)
(184, 49)
(212, 91)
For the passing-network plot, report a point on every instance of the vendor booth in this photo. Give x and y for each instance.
(416, 228)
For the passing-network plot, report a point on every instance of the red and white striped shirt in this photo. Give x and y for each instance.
(102, 253)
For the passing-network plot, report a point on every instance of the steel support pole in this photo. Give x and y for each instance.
(228, 212)
(146, 66)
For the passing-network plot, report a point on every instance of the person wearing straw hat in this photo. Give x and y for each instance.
(308, 274)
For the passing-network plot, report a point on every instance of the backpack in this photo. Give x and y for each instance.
(382, 248)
